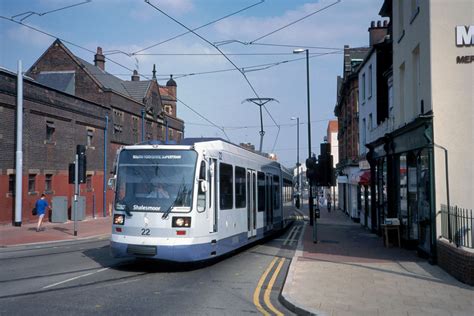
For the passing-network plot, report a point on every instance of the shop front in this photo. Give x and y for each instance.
(402, 163)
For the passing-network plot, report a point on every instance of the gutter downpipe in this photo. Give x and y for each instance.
(105, 166)
(19, 147)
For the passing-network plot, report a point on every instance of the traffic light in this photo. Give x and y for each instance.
(325, 174)
(82, 163)
(311, 169)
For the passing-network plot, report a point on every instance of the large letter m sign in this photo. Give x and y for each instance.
(465, 35)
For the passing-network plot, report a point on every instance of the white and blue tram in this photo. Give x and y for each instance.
(196, 200)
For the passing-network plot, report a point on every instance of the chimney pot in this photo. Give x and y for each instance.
(385, 23)
(379, 24)
(372, 24)
(99, 59)
(135, 76)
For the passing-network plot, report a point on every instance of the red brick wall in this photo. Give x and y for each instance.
(456, 261)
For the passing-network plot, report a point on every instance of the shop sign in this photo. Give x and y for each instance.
(464, 38)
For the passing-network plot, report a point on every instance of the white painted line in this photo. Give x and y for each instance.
(75, 278)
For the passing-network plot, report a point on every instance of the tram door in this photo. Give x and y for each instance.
(269, 204)
(251, 203)
(213, 215)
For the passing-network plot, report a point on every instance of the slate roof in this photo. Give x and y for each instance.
(62, 81)
(134, 89)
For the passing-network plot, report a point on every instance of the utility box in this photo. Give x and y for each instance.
(80, 212)
(59, 206)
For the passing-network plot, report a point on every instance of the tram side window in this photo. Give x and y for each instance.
(226, 199)
(261, 191)
(240, 195)
(276, 186)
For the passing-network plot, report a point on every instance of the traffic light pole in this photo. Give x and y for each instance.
(311, 206)
(76, 191)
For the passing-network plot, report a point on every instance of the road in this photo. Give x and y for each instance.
(78, 278)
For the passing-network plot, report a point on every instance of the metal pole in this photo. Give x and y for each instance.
(76, 191)
(166, 136)
(311, 208)
(298, 153)
(447, 192)
(143, 125)
(262, 132)
(104, 198)
(19, 147)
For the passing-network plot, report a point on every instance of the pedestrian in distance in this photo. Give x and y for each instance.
(329, 202)
(41, 207)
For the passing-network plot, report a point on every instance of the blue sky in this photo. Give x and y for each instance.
(130, 26)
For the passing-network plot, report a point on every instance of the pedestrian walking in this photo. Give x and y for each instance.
(41, 207)
(329, 203)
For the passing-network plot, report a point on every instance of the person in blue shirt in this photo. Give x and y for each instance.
(41, 206)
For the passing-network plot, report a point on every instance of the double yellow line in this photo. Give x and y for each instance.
(268, 290)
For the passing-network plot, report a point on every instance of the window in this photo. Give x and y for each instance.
(48, 183)
(370, 122)
(415, 9)
(401, 28)
(90, 136)
(363, 86)
(239, 187)
(89, 182)
(11, 183)
(50, 129)
(118, 122)
(135, 129)
(370, 81)
(364, 130)
(402, 93)
(276, 186)
(261, 191)
(416, 78)
(32, 183)
(171, 134)
(226, 186)
(168, 109)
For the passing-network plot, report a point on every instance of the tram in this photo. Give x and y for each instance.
(195, 200)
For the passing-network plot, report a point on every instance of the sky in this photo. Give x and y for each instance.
(208, 82)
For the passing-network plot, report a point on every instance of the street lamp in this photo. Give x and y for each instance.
(298, 177)
(298, 51)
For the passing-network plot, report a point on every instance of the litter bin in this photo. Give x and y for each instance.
(59, 213)
(80, 212)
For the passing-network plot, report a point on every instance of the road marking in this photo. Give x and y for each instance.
(266, 296)
(74, 278)
(256, 294)
(289, 235)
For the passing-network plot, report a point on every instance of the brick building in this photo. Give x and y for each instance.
(346, 111)
(68, 101)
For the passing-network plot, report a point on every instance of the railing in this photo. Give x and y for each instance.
(457, 225)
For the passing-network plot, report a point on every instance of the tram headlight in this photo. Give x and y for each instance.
(119, 219)
(181, 222)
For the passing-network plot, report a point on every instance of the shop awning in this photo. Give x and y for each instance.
(364, 177)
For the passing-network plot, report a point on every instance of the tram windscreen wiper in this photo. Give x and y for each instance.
(181, 191)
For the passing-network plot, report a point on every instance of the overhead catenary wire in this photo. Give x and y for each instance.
(118, 64)
(217, 48)
(199, 27)
(294, 22)
(30, 13)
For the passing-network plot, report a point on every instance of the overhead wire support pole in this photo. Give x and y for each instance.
(260, 102)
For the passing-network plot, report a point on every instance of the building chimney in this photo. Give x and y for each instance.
(99, 59)
(377, 32)
(135, 76)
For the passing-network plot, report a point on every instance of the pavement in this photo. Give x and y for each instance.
(347, 272)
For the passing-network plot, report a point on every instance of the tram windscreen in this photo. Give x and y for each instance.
(154, 180)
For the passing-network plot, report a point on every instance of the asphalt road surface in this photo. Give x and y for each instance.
(80, 278)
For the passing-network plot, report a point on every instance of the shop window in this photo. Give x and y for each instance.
(226, 184)
(48, 183)
(240, 187)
